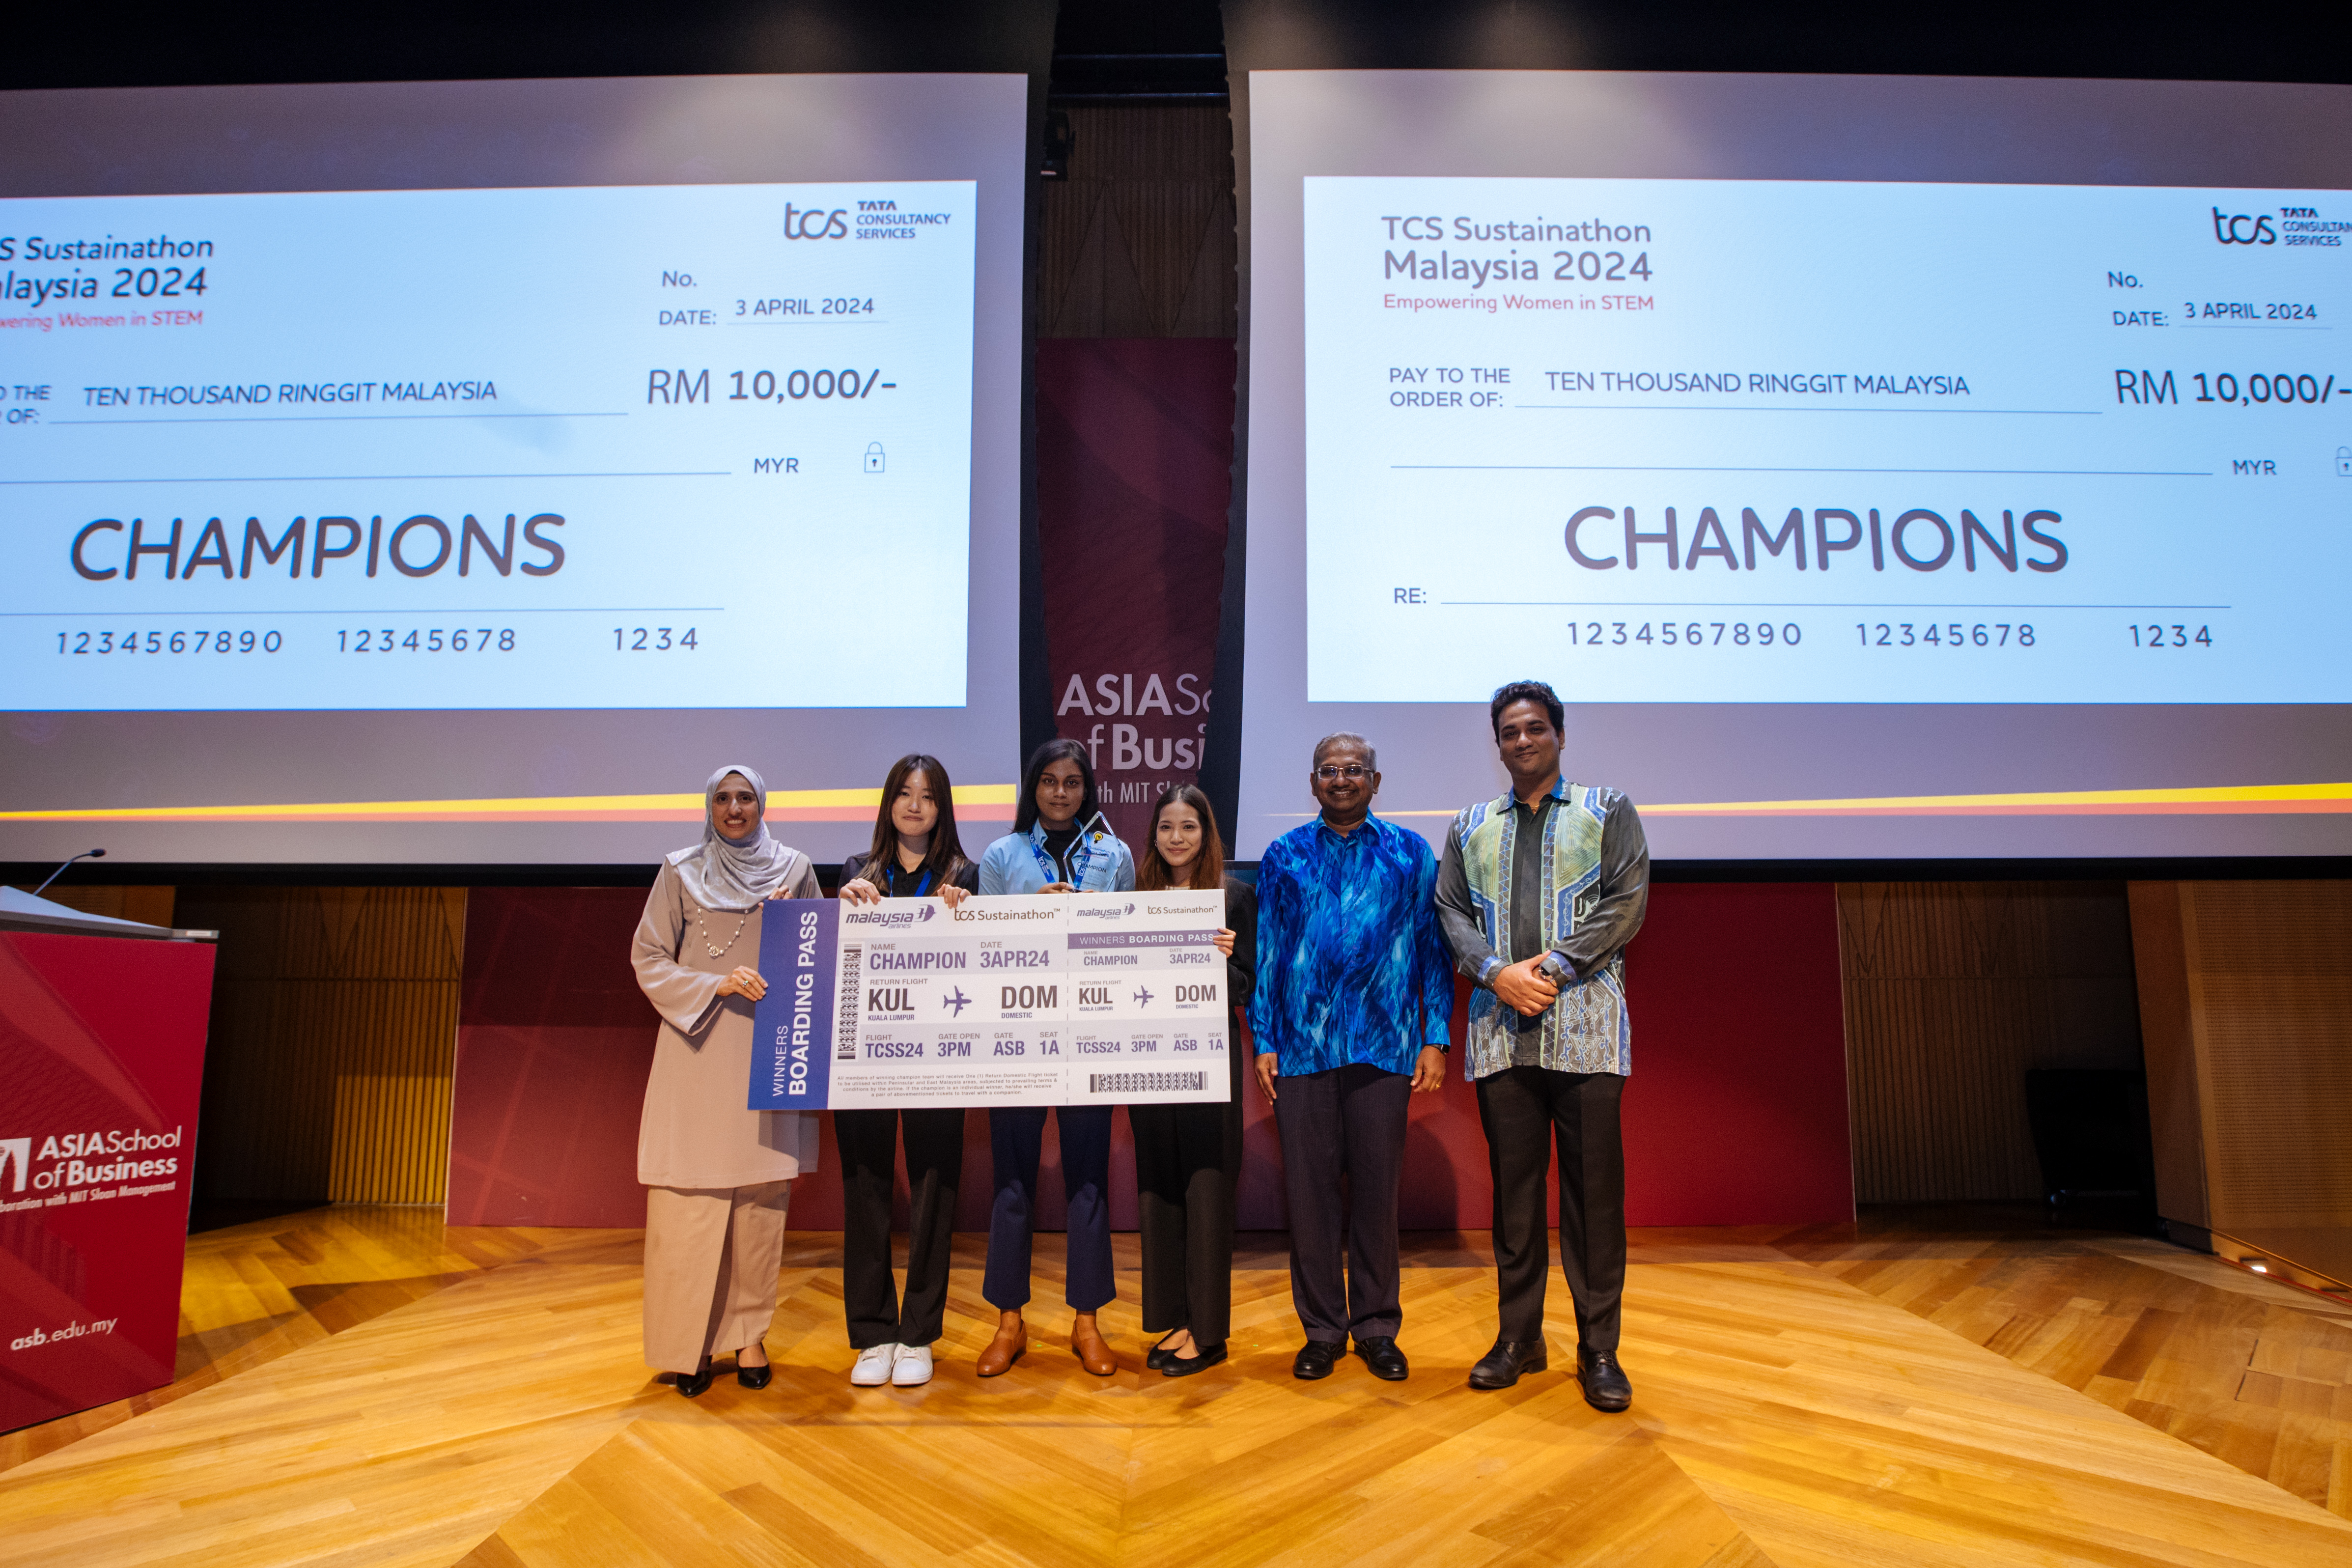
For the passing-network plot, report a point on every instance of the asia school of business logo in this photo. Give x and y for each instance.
(79, 1160)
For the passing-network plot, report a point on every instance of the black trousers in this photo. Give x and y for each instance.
(1188, 1160)
(1346, 1122)
(1016, 1136)
(869, 1295)
(1525, 1112)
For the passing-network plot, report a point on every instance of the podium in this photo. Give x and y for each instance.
(101, 1057)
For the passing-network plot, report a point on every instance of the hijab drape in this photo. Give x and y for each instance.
(723, 873)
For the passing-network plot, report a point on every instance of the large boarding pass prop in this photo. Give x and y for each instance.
(1083, 999)
(568, 447)
(1728, 441)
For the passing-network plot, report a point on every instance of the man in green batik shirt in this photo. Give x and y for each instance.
(1537, 894)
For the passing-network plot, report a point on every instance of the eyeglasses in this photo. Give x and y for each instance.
(1332, 773)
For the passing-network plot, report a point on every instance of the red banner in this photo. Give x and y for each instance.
(102, 1048)
(1134, 447)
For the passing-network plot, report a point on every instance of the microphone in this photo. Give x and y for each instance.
(85, 855)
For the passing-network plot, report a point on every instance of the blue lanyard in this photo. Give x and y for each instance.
(1080, 853)
(920, 888)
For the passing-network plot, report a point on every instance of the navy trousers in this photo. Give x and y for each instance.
(1017, 1137)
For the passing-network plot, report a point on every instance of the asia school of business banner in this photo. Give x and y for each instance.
(102, 1050)
(1083, 999)
(1134, 462)
(1711, 440)
(566, 448)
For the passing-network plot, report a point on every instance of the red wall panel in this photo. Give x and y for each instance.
(1735, 1113)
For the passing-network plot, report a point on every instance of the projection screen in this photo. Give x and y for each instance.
(1879, 468)
(458, 472)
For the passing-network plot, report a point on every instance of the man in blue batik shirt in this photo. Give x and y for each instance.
(1350, 1012)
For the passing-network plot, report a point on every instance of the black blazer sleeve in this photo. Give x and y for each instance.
(1241, 916)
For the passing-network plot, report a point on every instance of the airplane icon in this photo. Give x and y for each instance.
(1142, 998)
(959, 1001)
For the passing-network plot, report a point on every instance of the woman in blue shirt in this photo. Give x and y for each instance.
(1059, 844)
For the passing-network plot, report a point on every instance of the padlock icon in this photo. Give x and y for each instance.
(2344, 462)
(873, 457)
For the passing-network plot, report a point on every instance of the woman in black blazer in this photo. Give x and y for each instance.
(1187, 1158)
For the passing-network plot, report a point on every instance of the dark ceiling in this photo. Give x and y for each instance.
(1112, 50)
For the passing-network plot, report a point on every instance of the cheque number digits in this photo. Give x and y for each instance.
(425, 639)
(2152, 636)
(1684, 634)
(78, 644)
(654, 639)
(1947, 634)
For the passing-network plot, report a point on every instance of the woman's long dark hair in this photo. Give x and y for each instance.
(945, 858)
(1207, 871)
(1025, 816)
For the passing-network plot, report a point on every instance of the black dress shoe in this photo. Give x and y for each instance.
(1605, 1384)
(1314, 1359)
(1185, 1366)
(1382, 1356)
(1501, 1366)
(1160, 1354)
(755, 1376)
(693, 1384)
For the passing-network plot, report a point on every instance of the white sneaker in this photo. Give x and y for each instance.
(873, 1368)
(913, 1367)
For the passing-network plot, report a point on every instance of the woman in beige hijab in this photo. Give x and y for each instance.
(718, 1174)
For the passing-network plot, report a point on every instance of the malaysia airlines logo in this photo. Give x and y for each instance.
(1142, 998)
(958, 1001)
(928, 911)
(17, 1157)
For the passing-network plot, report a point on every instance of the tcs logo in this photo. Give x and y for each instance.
(815, 223)
(2243, 228)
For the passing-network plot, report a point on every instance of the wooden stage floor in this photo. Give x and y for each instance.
(363, 1386)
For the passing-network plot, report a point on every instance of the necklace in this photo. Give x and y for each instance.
(705, 935)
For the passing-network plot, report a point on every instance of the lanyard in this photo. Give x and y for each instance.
(1080, 853)
(897, 873)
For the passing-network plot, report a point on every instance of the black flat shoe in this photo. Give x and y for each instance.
(693, 1384)
(1316, 1359)
(1501, 1366)
(1387, 1361)
(1185, 1366)
(1606, 1387)
(1159, 1355)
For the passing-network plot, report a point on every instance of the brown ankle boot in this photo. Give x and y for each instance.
(1087, 1342)
(1012, 1341)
